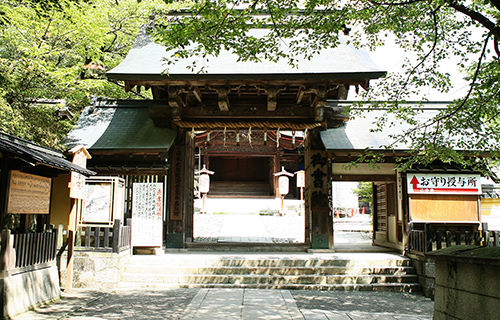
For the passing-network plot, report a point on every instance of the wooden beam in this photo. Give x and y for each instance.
(223, 98)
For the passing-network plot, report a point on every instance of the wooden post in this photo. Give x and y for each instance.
(60, 236)
(448, 239)
(458, 238)
(468, 238)
(77, 194)
(71, 242)
(116, 235)
(439, 240)
(7, 254)
(496, 242)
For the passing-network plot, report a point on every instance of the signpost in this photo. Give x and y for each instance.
(77, 193)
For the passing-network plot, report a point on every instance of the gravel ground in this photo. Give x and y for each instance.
(282, 229)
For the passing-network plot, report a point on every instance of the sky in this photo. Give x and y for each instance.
(390, 57)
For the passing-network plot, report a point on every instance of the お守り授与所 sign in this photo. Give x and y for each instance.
(443, 183)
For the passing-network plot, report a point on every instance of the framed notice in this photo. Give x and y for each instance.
(104, 201)
(28, 193)
(98, 201)
(147, 214)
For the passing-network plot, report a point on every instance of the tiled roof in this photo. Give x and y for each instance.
(37, 154)
(147, 59)
(119, 127)
(359, 132)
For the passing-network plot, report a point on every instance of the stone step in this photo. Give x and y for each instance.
(392, 287)
(194, 260)
(187, 279)
(223, 270)
(379, 271)
(257, 246)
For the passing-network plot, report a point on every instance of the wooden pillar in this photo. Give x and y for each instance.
(4, 184)
(319, 222)
(175, 232)
(189, 188)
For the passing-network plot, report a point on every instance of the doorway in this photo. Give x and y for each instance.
(352, 210)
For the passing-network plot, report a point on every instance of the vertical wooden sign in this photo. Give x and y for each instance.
(176, 183)
(77, 180)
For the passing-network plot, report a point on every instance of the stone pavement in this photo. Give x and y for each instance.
(251, 304)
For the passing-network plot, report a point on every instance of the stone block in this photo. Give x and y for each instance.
(25, 290)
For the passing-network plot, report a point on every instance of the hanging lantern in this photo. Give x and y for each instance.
(293, 139)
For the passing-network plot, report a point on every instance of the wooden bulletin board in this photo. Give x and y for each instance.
(434, 207)
(28, 193)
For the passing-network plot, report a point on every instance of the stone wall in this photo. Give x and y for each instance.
(426, 271)
(467, 283)
(95, 270)
(23, 291)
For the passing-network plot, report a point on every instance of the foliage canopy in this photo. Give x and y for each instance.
(61, 49)
(434, 31)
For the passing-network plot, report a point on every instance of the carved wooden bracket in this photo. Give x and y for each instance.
(223, 99)
(272, 99)
(319, 102)
(175, 102)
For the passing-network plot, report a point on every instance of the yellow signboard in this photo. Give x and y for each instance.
(28, 193)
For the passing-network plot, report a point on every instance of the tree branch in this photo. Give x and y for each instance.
(462, 104)
(476, 16)
(434, 45)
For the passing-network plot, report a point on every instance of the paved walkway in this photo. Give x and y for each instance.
(245, 304)
(240, 224)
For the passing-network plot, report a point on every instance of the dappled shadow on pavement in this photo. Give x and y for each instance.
(138, 304)
(373, 302)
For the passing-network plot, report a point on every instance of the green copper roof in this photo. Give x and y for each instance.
(119, 128)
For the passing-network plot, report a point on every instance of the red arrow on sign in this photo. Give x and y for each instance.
(414, 182)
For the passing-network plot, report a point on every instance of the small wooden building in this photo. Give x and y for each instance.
(434, 197)
(29, 197)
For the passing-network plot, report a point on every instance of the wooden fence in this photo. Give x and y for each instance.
(23, 250)
(98, 238)
(422, 241)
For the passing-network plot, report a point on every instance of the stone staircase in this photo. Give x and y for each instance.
(333, 271)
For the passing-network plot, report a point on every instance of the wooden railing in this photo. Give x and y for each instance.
(27, 249)
(104, 239)
(422, 241)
